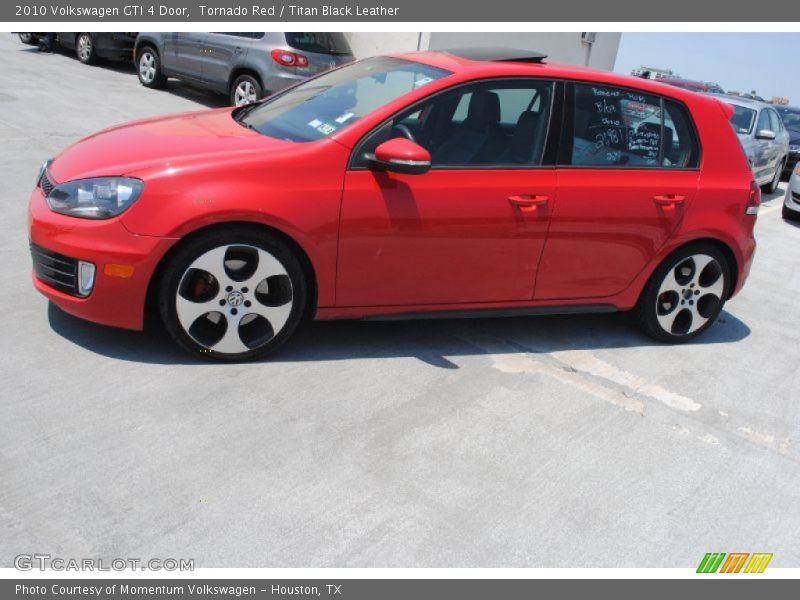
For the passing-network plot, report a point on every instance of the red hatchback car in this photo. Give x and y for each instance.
(460, 183)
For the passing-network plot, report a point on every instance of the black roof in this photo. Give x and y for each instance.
(497, 54)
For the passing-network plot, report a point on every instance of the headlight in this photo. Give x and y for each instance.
(794, 148)
(96, 198)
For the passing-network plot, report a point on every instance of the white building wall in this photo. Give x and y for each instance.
(563, 47)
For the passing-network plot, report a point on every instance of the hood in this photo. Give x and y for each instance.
(160, 142)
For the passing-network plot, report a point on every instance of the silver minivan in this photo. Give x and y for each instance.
(245, 66)
(763, 137)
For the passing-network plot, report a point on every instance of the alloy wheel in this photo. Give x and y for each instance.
(245, 93)
(147, 67)
(690, 294)
(234, 299)
(84, 48)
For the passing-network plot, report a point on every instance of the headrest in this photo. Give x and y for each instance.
(484, 108)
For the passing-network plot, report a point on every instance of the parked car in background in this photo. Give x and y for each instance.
(245, 66)
(694, 86)
(791, 120)
(764, 138)
(98, 45)
(475, 181)
(791, 204)
(31, 39)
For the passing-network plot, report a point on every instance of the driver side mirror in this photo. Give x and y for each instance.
(400, 155)
(765, 134)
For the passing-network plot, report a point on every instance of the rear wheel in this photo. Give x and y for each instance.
(770, 187)
(148, 68)
(84, 47)
(246, 89)
(232, 295)
(685, 294)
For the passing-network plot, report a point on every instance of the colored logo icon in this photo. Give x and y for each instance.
(735, 562)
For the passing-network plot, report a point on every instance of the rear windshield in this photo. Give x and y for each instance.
(743, 119)
(319, 43)
(315, 109)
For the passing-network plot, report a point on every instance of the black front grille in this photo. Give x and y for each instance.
(46, 183)
(796, 196)
(56, 270)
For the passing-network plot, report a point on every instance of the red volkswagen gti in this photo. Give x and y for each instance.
(454, 183)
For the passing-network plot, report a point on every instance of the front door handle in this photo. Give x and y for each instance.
(528, 202)
(669, 199)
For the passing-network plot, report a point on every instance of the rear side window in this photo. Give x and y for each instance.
(319, 43)
(614, 127)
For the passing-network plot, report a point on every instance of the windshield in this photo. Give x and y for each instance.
(319, 43)
(742, 120)
(315, 109)
(791, 117)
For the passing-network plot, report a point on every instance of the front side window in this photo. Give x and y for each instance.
(484, 125)
(614, 127)
(317, 108)
(763, 121)
(774, 121)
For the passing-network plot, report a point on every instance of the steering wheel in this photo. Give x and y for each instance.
(406, 131)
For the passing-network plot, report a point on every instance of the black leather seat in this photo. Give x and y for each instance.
(528, 138)
(478, 139)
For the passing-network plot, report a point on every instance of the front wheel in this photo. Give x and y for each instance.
(232, 295)
(84, 47)
(685, 294)
(148, 68)
(770, 187)
(28, 38)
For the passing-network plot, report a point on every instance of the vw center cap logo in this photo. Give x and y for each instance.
(235, 298)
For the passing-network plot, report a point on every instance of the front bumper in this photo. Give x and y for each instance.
(792, 200)
(118, 296)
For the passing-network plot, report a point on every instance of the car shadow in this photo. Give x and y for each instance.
(187, 92)
(768, 199)
(432, 341)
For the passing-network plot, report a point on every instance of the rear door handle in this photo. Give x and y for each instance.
(669, 199)
(528, 202)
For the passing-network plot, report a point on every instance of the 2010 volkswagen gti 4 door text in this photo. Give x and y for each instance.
(454, 183)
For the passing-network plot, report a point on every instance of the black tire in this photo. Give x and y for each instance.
(179, 268)
(653, 306)
(84, 48)
(245, 80)
(790, 215)
(29, 39)
(148, 68)
(769, 188)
